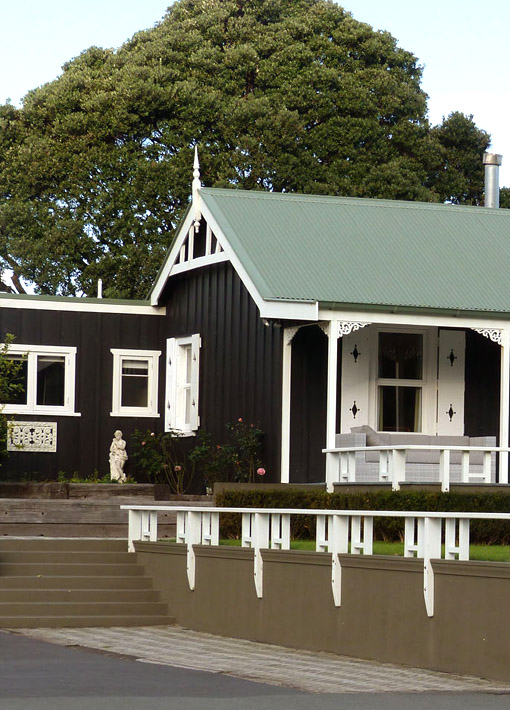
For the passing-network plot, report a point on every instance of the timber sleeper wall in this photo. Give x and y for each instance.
(382, 615)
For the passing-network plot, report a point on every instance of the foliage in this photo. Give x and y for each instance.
(283, 95)
(504, 198)
(12, 384)
(161, 459)
(94, 477)
(237, 458)
(490, 532)
(460, 179)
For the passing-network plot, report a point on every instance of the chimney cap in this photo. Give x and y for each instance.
(492, 159)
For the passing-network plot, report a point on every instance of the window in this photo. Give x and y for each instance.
(135, 383)
(182, 384)
(47, 377)
(400, 382)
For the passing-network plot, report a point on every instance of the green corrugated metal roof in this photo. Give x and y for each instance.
(347, 250)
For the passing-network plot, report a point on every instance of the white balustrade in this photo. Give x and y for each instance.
(338, 532)
(393, 461)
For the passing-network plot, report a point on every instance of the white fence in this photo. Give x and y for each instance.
(342, 463)
(337, 532)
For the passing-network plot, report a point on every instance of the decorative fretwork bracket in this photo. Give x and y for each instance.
(342, 327)
(493, 334)
(289, 333)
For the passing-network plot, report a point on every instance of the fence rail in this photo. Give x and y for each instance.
(393, 460)
(427, 535)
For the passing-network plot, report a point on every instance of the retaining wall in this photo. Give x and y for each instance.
(382, 616)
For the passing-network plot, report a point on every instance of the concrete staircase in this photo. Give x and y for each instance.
(47, 582)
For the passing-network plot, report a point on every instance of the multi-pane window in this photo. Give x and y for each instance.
(400, 381)
(135, 383)
(46, 380)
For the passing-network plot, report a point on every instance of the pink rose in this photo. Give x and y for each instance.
(261, 471)
(143, 443)
(177, 468)
(240, 420)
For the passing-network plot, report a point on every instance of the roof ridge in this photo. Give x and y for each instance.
(368, 201)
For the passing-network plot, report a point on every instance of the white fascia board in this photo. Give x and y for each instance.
(413, 319)
(171, 259)
(78, 307)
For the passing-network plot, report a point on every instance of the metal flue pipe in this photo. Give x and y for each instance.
(492, 161)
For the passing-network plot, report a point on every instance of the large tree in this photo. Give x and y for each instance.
(286, 95)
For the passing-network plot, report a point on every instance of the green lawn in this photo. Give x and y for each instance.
(487, 553)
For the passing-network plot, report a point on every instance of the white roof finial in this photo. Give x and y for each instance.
(195, 190)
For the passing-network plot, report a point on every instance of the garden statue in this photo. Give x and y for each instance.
(118, 457)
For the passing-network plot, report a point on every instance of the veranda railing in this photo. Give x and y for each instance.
(337, 532)
(393, 460)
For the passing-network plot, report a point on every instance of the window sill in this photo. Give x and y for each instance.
(133, 413)
(40, 412)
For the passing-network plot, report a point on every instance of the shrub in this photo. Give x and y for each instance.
(235, 458)
(493, 532)
(161, 458)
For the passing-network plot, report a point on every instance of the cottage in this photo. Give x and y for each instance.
(327, 320)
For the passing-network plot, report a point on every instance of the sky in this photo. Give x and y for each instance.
(461, 44)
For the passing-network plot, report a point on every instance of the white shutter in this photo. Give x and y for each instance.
(355, 379)
(450, 385)
(171, 384)
(195, 371)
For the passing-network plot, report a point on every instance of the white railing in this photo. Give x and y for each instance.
(337, 532)
(393, 460)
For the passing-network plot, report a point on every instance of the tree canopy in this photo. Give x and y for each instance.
(284, 95)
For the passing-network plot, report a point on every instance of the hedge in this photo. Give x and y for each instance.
(491, 532)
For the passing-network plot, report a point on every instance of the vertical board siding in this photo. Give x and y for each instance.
(483, 368)
(308, 405)
(84, 441)
(240, 358)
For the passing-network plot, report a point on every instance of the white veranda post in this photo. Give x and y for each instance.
(504, 411)
(288, 335)
(333, 332)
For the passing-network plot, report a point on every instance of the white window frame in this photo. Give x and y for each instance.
(151, 357)
(176, 386)
(427, 384)
(31, 352)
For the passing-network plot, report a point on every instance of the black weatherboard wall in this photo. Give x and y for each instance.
(240, 357)
(82, 441)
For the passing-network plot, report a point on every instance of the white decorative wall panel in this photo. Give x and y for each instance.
(32, 436)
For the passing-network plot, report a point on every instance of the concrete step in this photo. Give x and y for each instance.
(28, 609)
(76, 582)
(25, 595)
(76, 557)
(79, 582)
(21, 544)
(55, 569)
(35, 622)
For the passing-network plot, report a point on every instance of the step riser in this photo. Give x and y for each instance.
(86, 583)
(77, 596)
(84, 609)
(63, 557)
(54, 569)
(36, 622)
(33, 544)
